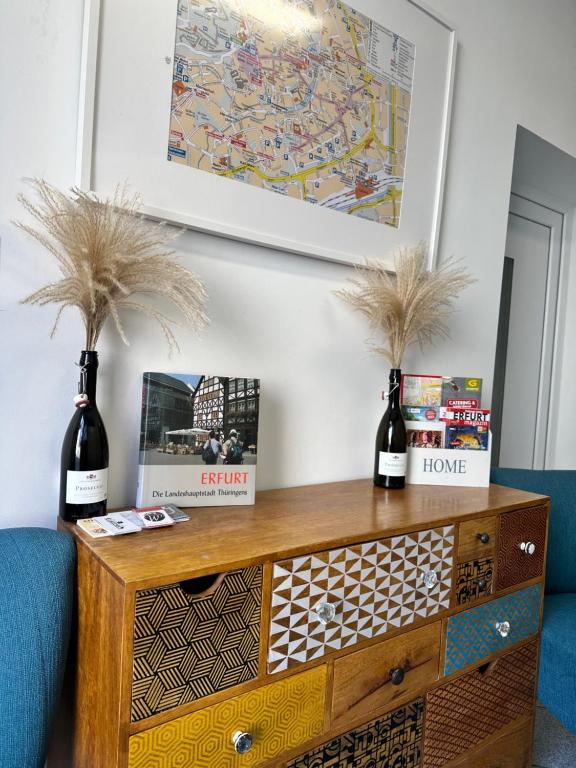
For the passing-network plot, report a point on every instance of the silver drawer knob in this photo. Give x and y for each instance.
(429, 579)
(503, 628)
(528, 547)
(242, 742)
(325, 612)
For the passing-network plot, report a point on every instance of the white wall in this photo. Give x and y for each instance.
(274, 315)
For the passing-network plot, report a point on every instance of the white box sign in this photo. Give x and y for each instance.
(437, 466)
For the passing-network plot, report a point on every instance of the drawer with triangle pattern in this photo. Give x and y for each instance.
(334, 599)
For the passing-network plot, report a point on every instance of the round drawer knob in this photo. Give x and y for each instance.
(503, 628)
(528, 547)
(242, 742)
(482, 584)
(325, 612)
(430, 579)
(483, 537)
(397, 676)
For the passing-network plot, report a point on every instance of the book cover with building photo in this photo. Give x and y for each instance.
(198, 440)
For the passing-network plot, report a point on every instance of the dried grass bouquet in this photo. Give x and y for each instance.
(409, 306)
(107, 252)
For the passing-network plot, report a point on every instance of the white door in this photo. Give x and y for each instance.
(534, 246)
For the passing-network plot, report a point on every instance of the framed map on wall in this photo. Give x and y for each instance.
(311, 101)
(314, 126)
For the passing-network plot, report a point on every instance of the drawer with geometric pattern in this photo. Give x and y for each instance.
(522, 546)
(475, 634)
(332, 600)
(462, 713)
(394, 739)
(475, 580)
(194, 639)
(271, 719)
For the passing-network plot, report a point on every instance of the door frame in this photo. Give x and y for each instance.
(525, 206)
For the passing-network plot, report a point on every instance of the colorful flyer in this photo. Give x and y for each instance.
(468, 415)
(421, 413)
(424, 438)
(418, 391)
(461, 392)
(469, 437)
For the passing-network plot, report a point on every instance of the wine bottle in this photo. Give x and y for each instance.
(84, 463)
(390, 459)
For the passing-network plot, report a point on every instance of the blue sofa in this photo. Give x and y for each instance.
(37, 571)
(557, 682)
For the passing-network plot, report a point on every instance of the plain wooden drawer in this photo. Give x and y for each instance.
(278, 717)
(476, 634)
(509, 751)
(395, 739)
(334, 599)
(369, 680)
(195, 638)
(522, 546)
(462, 713)
(477, 539)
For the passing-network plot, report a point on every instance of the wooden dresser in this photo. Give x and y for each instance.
(330, 626)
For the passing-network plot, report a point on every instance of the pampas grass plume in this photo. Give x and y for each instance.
(107, 252)
(412, 305)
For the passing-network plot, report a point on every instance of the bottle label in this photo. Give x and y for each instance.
(86, 487)
(392, 464)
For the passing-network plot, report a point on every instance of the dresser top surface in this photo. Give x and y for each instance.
(291, 521)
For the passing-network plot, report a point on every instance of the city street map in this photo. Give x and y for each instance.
(306, 98)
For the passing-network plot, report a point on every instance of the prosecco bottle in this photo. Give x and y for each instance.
(390, 458)
(84, 462)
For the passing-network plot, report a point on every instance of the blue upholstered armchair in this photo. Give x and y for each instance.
(37, 568)
(557, 684)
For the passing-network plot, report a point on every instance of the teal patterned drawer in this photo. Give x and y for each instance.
(475, 634)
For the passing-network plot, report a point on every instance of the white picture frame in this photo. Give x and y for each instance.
(120, 138)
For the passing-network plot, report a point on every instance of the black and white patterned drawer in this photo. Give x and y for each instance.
(334, 599)
(195, 638)
(475, 580)
(392, 740)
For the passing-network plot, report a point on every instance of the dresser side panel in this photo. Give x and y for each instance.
(98, 729)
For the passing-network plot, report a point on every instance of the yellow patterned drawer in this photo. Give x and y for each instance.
(277, 717)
